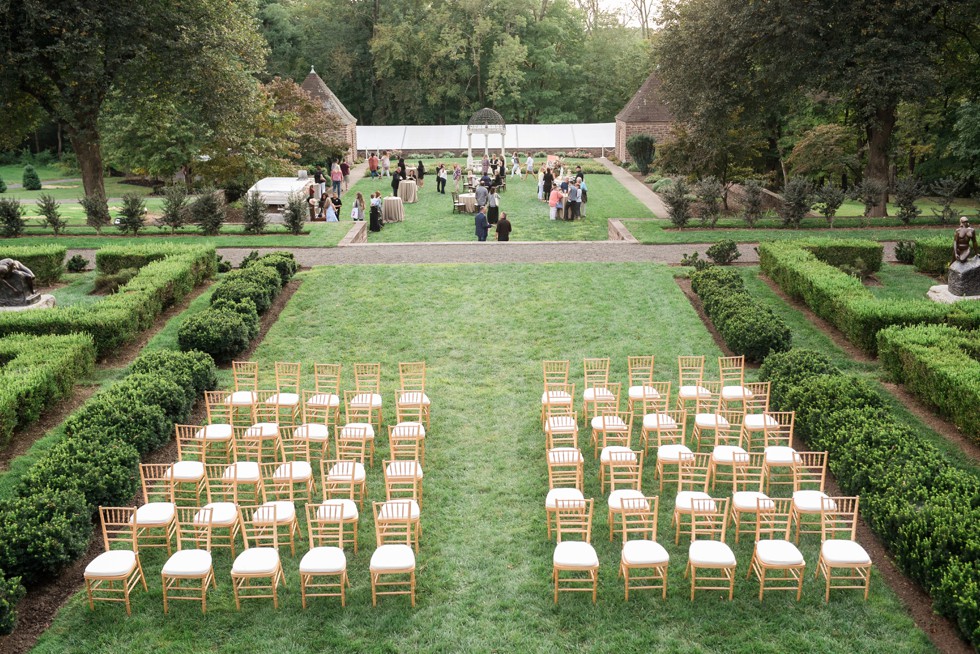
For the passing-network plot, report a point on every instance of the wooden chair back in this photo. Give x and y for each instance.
(709, 519)
(731, 371)
(639, 518)
(326, 377)
(780, 433)
(194, 528)
(757, 398)
(773, 518)
(251, 444)
(574, 519)
(119, 527)
(357, 407)
(410, 407)
(352, 443)
(839, 518)
(367, 377)
(655, 396)
(555, 393)
(325, 523)
(614, 428)
(730, 434)
(405, 441)
(749, 473)
(318, 414)
(596, 372)
(393, 522)
(690, 370)
(156, 482)
(693, 471)
(222, 485)
(189, 446)
(411, 376)
(811, 471)
(218, 408)
(670, 427)
(402, 480)
(259, 525)
(625, 470)
(337, 477)
(555, 372)
(640, 370)
(565, 468)
(246, 375)
(288, 377)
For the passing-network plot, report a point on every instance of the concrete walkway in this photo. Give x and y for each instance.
(640, 190)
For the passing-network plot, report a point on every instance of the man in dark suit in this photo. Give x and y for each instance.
(482, 226)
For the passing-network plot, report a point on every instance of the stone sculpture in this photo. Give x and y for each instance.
(16, 284)
(964, 272)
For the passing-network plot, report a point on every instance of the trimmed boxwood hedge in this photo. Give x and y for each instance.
(924, 508)
(119, 318)
(843, 300)
(111, 259)
(39, 371)
(932, 255)
(746, 327)
(939, 364)
(47, 262)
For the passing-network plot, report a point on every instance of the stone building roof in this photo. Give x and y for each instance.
(647, 105)
(320, 91)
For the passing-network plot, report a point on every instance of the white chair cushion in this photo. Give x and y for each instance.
(215, 432)
(185, 471)
(241, 398)
(155, 514)
(643, 392)
(658, 420)
(408, 429)
(188, 563)
(617, 496)
(575, 554)
(672, 452)
(605, 456)
(414, 397)
(726, 453)
(295, 470)
(709, 421)
(262, 430)
(278, 512)
(555, 494)
(598, 393)
(809, 501)
(735, 393)
(357, 430)
(223, 514)
(710, 553)
(685, 499)
(611, 423)
(781, 455)
(256, 561)
(341, 471)
(348, 509)
(562, 453)
(243, 471)
(778, 552)
(111, 564)
(392, 557)
(283, 399)
(324, 561)
(389, 512)
(409, 469)
(693, 392)
(844, 552)
(644, 552)
(759, 421)
(312, 432)
(748, 500)
(556, 397)
(323, 400)
(561, 425)
(366, 399)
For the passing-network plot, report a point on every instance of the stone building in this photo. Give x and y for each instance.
(347, 131)
(645, 113)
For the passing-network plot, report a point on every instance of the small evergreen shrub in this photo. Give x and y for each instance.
(796, 202)
(828, 200)
(787, 370)
(246, 309)
(175, 211)
(208, 212)
(77, 264)
(144, 426)
(12, 221)
(907, 192)
(709, 191)
(724, 252)
(132, 215)
(870, 192)
(932, 255)
(11, 592)
(946, 188)
(905, 252)
(197, 367)
(695, 261)
(30, 180)
(221, 333)
(753, 200)
(641, 148)
(3, 185)
(283, 262)
(96, 212)
(294, 214)
(48, 207)
(678, 203)
(253, 213)
(662, 184)
(223, 265)
(113, 282)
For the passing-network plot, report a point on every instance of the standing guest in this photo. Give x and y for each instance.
(375, 225)
(324, 201)
(482, 195)
(493, 204)
(562, 203)
(498, 179)
(573, 199)
(578, 173)
(457, 175)
(373, 165)
(345, 171)
(515, 170)
(396, 178)
(541, 195)
(441, 176)
(320, 181)
(420, 174)
(402, 167)
(336, 176)
(553, 198)
(331, 212)
(564, 184)
(337, 204)
(357, 211)
(585, 197)
(529, 168)
(311, 202)
(485, 164)
(385, 164)
(503, 228)
(548, 181)
(482, 227)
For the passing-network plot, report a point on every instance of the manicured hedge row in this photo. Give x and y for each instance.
(941, 365)
(111, 259)
(932, 255)
(38, 371)
(844, 301)
(119, 318)
(47, 262)
(11, 592)
(746, 327)
(48, 522)
(226, 328)
(866, 255)
(925, 509)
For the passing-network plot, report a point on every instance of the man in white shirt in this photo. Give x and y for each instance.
(529, 166)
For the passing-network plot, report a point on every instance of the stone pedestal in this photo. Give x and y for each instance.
(45, 302)
(964, 278)
(942, 295)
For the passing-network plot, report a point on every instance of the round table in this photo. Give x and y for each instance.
(408, 191)
(469, 199)
(392, 210)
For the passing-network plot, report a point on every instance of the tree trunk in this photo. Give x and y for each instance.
(879, 136)
(88, 149)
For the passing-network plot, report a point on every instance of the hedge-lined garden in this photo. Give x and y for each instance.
(924, 508)
(809, 271)
(36, 372)
(941, 365)
(45, 261)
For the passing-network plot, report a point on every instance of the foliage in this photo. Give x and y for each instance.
(282, 261)
(48, 207)
(223, 264)
(905, 252)
(246, 309)
(827, 200)
(221, 333)
(11, 218)
(869, 193)
(787, 370)
(11, 592)
(96, 211)
(708, 192)
(77, 264)
(198, 369)
(30, 180)
(796, 201)
(208, 211)
(747, 328)
(726, 151)
(932, 255)
(112, 282)
(661, 185)
(132, 215)
(754, 198)
(294, 214)
(3, 185)
(175, 211)
(825, 150)
(907, 191)
(724, 253)
(678, 203)
(253, 213)
(314, 133)
(695, 261)
(45, 261)
(641, 148)
(947, 188)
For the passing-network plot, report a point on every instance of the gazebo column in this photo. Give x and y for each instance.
(469, 149)
(503, 145)
(486, 143)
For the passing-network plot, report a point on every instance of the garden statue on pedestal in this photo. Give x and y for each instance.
(16, 284)
(964, 272)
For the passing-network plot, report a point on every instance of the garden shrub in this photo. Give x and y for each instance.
(754, 198)
(45, 261)
(258, 283)
(827, 199)
(724, 252)
(678, 203)
(221, 333)
(30, 179)
(224, 265)
(12, 221)
(96, 212)
(284, 263)
(662, 185)
(195, 366)
(106, 284)
(132, 215)
(245, 308)
(787, 370)
(947, 188)
(693, 260)
(641, 148)
(907, 192)
(113, 258)
(48, 207)
(208, 211)
(175, 211)
(709, 191)
(144, 426)
(933, 255)
(869, 192)
(11, 592)
(3, 185)
(796, 201)
(905, 252)
(294, 215)
(77, 264)
(253, 213)
(747, 328)
(155, 390)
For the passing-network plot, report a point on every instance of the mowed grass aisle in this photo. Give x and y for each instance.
(484, 568)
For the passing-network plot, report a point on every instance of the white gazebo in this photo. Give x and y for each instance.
(486, 121)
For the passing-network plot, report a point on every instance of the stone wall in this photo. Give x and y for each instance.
(659, 131)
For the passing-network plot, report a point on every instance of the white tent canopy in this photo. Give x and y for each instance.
(275, 191)
(521, 137)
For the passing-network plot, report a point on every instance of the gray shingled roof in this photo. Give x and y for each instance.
(320, 91)
(647, 105)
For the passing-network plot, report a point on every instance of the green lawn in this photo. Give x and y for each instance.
(655, 232)
(78, 289)
(73, 190)
(432, 217)
(900, 282)
(14, 174)
(484, 568)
